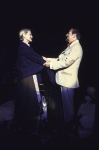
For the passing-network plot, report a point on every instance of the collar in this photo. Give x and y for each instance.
(72, 43)
(26, 43)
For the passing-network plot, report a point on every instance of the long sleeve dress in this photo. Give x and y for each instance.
(29, 64)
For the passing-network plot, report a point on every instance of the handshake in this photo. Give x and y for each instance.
(47, 63)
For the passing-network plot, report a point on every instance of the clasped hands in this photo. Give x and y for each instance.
(47, 63)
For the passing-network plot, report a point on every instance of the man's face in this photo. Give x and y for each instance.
(70, 37)
(28, 36)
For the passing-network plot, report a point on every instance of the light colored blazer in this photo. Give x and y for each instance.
(68, 77)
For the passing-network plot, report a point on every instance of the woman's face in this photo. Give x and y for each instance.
(28, 37)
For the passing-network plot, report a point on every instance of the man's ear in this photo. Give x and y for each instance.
(74, 35)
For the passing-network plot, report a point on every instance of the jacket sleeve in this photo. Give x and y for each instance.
(52, 59)
(59, 64)
(31, 55)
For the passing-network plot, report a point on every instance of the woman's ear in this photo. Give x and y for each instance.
(23, 36)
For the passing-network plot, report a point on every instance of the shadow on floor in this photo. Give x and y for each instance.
(41, 137)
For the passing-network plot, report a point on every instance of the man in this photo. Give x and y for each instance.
(67, 65)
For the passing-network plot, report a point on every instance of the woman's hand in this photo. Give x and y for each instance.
(44, 58)
(47, 63)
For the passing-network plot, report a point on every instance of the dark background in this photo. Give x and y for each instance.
(49, 21)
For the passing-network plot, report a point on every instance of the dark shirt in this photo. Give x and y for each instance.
(28, 61)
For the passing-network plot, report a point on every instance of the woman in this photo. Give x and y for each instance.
(29, 64)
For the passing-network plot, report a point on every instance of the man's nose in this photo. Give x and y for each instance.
(66, 34)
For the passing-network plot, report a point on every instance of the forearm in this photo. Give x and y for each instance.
(55, 65)
(35, 58)
(51, 59)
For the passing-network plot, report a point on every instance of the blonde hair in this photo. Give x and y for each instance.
(23, 31)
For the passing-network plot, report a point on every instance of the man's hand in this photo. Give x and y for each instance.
(47, 64)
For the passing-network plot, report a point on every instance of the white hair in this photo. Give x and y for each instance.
(23, 31)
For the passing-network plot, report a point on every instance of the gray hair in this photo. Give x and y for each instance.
(23, 31)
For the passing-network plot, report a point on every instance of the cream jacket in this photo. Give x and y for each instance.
(68, 77)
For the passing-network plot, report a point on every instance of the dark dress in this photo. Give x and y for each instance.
(28, 63)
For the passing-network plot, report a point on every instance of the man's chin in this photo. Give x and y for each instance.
(67, 40)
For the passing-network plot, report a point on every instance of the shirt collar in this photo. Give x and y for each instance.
(72, 43)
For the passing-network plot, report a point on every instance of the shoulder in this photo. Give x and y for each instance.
(23, 46)
(76, 47)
